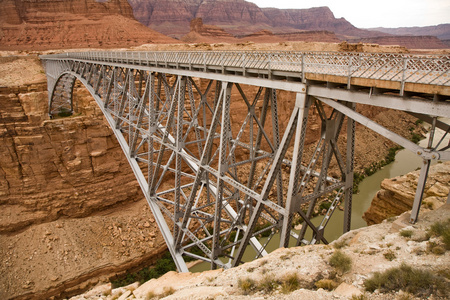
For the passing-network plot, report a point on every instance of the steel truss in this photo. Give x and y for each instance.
(216, 183)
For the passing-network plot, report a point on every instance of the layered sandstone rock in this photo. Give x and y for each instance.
(201, 33)
(52, 24)
(306, 36)
(46, 161)
(411, 42)
(72, 210)
(239, 17)
(317, 18)
(397, 194)
(43, 11)
(441, 31)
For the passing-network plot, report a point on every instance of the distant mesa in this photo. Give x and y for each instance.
(244, 19)
(56, 24)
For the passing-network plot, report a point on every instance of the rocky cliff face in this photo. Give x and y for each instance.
(53, 24)
(201, 33)
(441, 31)
(46, 161)
(72, 211)
(317, 18)
(242, 18)
(19, 11)
(238, 17)
(410, 42)
(397, 194)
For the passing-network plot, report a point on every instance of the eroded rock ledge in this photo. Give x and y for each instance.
(397, 194)
(372, 249)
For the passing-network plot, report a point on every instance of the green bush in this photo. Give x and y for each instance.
(409, 279)
(324, 205)
(415, 138)
(64, 112)
(162, 266)
(340, 261)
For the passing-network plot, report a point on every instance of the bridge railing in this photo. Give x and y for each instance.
(426, 69)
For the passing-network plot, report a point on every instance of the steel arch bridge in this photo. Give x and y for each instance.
(213, 189)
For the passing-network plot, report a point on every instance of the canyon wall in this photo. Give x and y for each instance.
(238, 17)
(72, 210)
(53, 24)
(410, 42)
(242, 18)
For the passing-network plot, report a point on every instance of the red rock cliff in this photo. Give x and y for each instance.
(55, 24)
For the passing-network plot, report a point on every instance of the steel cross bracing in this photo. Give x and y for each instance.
(218, 180)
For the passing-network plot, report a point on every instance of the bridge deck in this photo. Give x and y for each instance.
(429, 74)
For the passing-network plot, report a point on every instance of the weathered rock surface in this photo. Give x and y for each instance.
(410, 42)
(66, 256)
(307, 36)
(372, 249)
(53, 24)
(397, 194)
(441, 31)
(46, 161)
(242, 18)
(201, 33)
(238, 17)
(72, 211)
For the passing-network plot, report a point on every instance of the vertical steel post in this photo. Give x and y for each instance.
(224, 136)
(349, 171)
(302, 108)
(422, 177)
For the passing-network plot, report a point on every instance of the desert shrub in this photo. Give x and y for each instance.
(326, 284)
(359, 297)
(407, 233)
(340, 244)
(412, 280)
(442, 230)
(290, 283)
(247, 285)
(268, 284)
(167, 291)
(259, 227)
(340, 261)
(389, 255)
(435, 248)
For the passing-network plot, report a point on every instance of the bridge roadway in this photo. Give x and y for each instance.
(213, 189)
